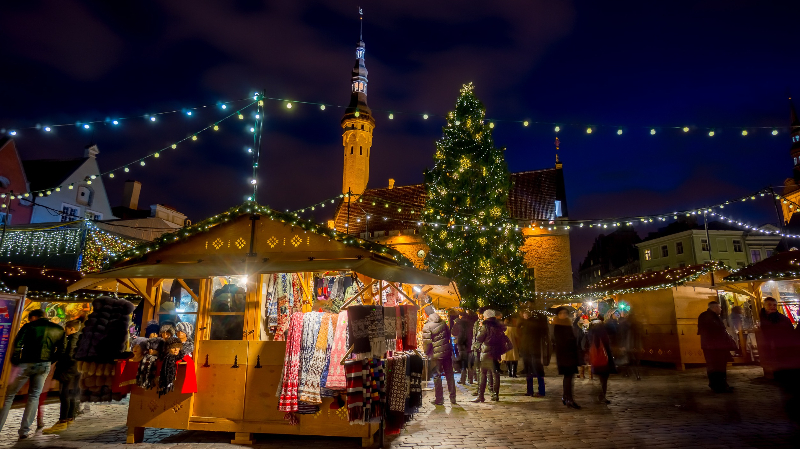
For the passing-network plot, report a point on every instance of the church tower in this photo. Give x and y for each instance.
(358, 125)
(795, 132)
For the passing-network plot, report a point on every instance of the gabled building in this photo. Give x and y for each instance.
(13, 182)
(69, 193)
(390, 215)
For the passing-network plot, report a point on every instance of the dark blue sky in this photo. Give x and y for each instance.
(710, 64)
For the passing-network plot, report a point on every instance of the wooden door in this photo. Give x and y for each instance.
(221, 377)
(263, 378)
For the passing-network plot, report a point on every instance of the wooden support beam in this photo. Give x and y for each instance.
(132, 287)
(358, 294)
(399, 290)
(189, 290)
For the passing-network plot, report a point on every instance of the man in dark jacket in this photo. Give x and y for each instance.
(68, 377)
(439, 350)
(462, 329)
(780, 352)
(534, 348)
(38, 343)
(717, 345)
(493, 344)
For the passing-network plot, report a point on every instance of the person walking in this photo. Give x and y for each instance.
(511, 358)
(37, 344)
(630, 336)
(494, 344)
(780, 352)
(717, 344)
(566, 353)
(475, 360)
(66, 373)
(583, 347)
(601, 356)
(439, 350)
(534, 350)
(463, 330)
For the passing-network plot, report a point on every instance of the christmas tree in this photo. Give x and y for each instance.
(471, 236)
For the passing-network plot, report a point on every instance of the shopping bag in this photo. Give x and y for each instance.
(598, 356)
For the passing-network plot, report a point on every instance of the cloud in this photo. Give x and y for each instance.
(65, 35)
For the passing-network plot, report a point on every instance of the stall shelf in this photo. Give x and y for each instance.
(237, 378)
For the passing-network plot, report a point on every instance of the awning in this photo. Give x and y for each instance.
(200, 269)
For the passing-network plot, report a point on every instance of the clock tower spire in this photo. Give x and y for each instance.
(358, 125)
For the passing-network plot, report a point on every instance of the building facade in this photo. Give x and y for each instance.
(13, 182)
(538, 195)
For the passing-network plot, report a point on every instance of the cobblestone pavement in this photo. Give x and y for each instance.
(666, 409)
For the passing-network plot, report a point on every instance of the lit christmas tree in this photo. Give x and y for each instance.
(471, 236)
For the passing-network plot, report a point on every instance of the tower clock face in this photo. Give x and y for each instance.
(421, 254)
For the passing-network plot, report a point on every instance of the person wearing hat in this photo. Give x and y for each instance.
(439, 350)
(493, 343)
(152, 328)
(185, 334)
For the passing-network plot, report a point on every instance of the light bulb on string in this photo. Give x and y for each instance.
(152, 119)
(653, 132)
(774, 132)
(322, 107)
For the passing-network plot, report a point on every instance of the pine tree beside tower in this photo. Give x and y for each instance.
(471, 235)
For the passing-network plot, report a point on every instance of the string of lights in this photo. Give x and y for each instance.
(117, 121)
(556, 126)
(215, 126)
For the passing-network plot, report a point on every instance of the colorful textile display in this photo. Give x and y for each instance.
(358, 319)
(390, 326)
(410, 331)
(330, 321)
(146, 374)
(336, 376)
(311, 376)
(283, 318)
(354, 372)
(311, 324)
(291, 366)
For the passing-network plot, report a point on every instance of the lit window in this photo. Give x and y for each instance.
(648, 255)
(558, 208)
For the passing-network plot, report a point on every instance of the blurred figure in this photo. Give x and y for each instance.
(567, 359)
(66, 373)
(583, 347)
(781, 352)
(534, 349)
(511, 358)
(492, 339)
(37, 345)
(476, 351)
(601, 356)
(717, 344)
(463, 333)
(737, 319)
(630, 339)
(437, 347)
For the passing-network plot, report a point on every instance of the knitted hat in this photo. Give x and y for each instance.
(152, 328)
(185, 327)
(489, 313)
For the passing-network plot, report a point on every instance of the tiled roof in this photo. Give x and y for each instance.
(785, 265)
(533, 196)
(50, 173)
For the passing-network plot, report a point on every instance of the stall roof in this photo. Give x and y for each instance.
(785, 265)
(252, 239)
(655, 280)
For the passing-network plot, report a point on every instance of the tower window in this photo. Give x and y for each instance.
(362, 127)
(360, 151)
(351, 150)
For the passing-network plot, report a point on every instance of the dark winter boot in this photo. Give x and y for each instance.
(529, 381)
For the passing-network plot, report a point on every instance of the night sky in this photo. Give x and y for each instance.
(726, 65)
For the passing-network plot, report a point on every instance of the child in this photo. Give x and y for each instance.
(67, 374)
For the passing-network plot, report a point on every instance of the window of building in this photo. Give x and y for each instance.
(92, 215)
(227, 308)
(768, 252)
(178, 304)
(558, 208)
(737, 246)
(351, 150)
(664, 251)
(360, 151)
(85, 196)
(648, 255)
(704, 245)
(722, 245)
(755, 255)
(5, 218)
(70, 212)
(678, 248)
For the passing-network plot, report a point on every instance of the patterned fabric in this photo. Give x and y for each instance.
(146, 375)
(310, 381)
(331, 324)
(358, 318)
(283, 318)
(410, 337)
(272, 302)
(354, 372)
(415, 366)
(291, 365)
(398, 383)
(336, 376)
(311, 324)
(390, 327)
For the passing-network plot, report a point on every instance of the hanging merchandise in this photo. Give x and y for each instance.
(309, 374)
(336, 376)
(291, 367)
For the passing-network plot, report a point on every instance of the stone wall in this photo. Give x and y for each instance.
(548, 253)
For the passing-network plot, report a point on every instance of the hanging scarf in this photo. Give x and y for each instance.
(291, 366)
(398, 383)
(354, 371)
(390, 327)
(331, 323)
(336, 376)
(358, 319)
(169, 371)
(146, 374)
(283, 318)
(310, 381)
(415, 367)
(311, 325)
(377, 336)
(272, 303)
(410, 338)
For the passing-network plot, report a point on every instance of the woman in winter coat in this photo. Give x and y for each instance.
(492, 339)
(439, 350)
(567, 356)
(511, 358)
(603, 359)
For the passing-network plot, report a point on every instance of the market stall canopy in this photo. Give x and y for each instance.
(252, 239)
(111, 285)
(785, 265)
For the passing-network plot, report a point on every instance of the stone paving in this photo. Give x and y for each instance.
(666, 409)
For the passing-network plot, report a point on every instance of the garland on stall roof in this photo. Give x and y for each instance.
(680, 280)
(251, 207)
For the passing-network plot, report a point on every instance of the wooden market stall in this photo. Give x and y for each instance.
(777, 276)
(238, 374)
(666, 304)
